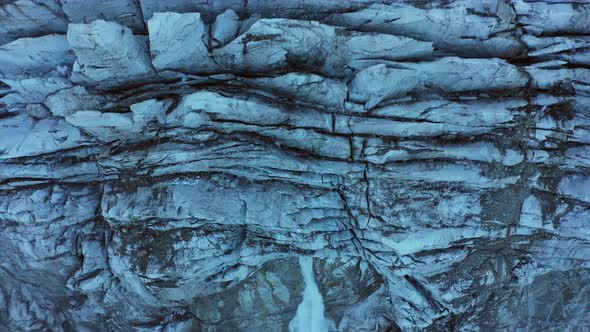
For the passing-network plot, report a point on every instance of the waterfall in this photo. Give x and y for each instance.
(310, 313)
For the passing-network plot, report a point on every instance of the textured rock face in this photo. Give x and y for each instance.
(163, 164)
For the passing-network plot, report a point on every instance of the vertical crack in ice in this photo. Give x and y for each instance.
(310, 313)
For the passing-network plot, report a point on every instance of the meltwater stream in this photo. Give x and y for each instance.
(310, 313)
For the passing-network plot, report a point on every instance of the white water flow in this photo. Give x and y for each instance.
(310, 313)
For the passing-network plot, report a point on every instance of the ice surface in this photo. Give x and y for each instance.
(310, 313)
(164, 165)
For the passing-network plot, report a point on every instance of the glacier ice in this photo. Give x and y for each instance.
(310, 313)
(164, 165)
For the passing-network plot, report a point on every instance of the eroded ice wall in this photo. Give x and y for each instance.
(164, 163)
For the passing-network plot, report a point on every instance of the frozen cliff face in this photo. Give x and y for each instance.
(165, 164)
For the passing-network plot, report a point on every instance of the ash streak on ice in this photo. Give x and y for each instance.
(310, 313)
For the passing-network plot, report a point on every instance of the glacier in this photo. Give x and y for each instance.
(232, 165)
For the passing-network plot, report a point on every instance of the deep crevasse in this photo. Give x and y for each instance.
(310, 313)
